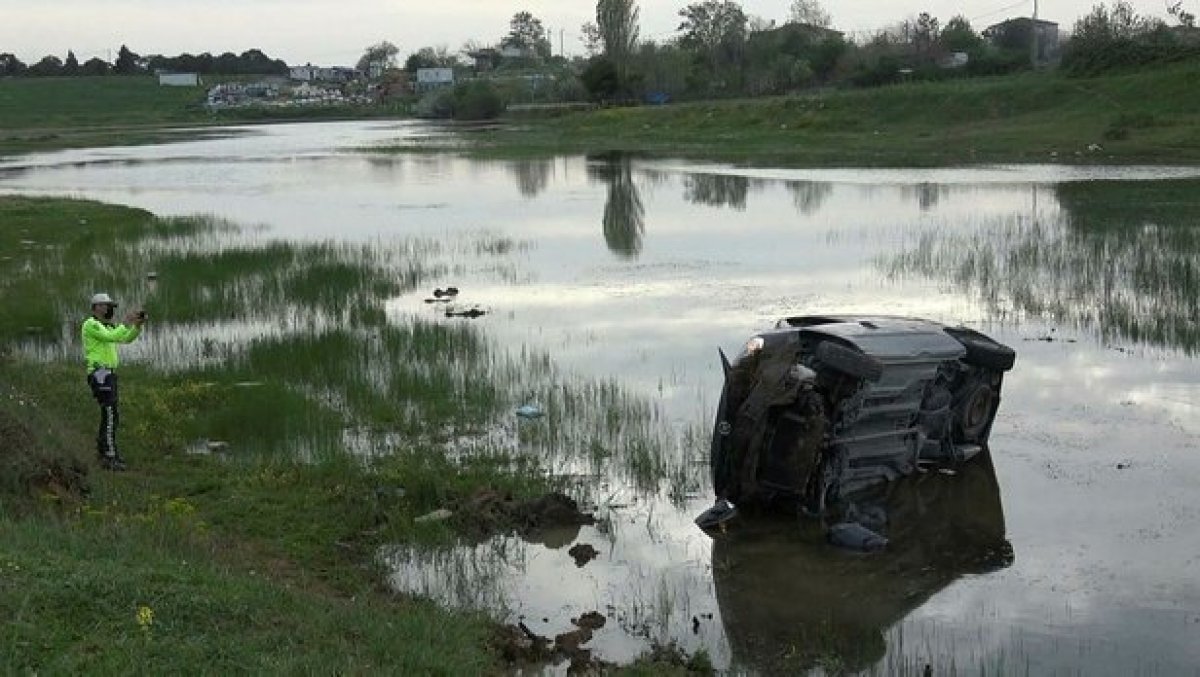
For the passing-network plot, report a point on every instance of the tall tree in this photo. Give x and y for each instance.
(71, 65)
(49, 66)
(715, 27)
(378, 58)
(526, 32)
(128, 63)
(922, 33)
(810, 13)
(95, 66)
(593, 41)
(958, 36)
(617, 23)
(1184, 17)
(10, 65)
(430, 57)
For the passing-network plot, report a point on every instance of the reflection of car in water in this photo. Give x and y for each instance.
(825, 407)
(789, 603)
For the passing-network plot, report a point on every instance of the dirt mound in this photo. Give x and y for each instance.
(490, 512)
(28, 464)
(583, 553)
(519, 646)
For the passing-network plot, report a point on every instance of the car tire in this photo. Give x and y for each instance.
(976, 416)
(983, 351)
(849, 362)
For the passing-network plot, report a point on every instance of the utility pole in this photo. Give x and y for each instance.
(1033, 37)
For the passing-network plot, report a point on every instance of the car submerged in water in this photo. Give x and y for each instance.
(827, 406)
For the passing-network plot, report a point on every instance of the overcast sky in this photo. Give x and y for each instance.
(331, 32)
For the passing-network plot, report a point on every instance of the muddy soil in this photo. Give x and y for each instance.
(583, 553)
(489, 513)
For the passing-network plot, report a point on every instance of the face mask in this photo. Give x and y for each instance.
(109, 312)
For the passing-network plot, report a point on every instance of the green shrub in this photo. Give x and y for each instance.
(477, 100)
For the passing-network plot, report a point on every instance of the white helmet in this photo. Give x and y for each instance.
(97, 299)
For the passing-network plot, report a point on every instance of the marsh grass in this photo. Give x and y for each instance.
(343, 424)
(1122, 259)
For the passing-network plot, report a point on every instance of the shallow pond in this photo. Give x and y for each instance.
(633, 273)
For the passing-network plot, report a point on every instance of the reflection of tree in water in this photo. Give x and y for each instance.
(928, 194)
(624, 213)
(809, 196)
(1124, 259)
(717, 190)
(532, 175)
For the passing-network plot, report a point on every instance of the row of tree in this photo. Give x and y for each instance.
(250, 62)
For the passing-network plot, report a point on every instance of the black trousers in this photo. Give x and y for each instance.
(103, 383)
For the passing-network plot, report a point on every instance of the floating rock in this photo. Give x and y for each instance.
(592, 620)
(444, 293)
(583, 553)
(569, 642)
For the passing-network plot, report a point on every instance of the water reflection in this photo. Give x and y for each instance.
(1121, 257)
(532, 176)
(624, 219)
(791, 605)
(717, 190)
(809, 196)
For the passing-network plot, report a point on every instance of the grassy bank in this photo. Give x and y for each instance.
(1149, 116)
(39, 114)
(336, 427)
(259, 561)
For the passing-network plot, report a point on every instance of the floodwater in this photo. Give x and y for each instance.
(1072, 549)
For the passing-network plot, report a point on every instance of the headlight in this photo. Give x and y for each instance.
(752, 346)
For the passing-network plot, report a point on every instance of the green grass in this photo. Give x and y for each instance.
(72, 590)
(1146, 116)
(38, 114)
(343, 426)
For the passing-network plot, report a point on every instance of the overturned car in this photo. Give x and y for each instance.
(826, 406)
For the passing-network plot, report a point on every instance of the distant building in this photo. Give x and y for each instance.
(1016, 34)
(179, 79)
(954, 60)
(311, 73)
(434, 78)
(517, 52)
(305, 73)
(485, 59)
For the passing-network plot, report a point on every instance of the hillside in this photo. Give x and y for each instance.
(1147, 116)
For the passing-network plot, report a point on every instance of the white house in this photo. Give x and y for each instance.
(305, 73)
(432, 78)
(179, 79)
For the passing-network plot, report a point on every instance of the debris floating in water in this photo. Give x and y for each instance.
(469, 314)
(530, 411)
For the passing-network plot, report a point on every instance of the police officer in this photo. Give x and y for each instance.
(100, 339)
